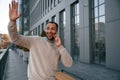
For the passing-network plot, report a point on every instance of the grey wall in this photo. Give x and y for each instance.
(84, 32)
(112, 30)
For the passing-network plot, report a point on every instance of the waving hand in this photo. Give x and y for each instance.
(13, 11)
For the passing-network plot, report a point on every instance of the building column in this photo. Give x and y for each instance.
(84, 31)
(112, 33)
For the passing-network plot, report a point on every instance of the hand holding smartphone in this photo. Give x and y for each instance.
(57, 40)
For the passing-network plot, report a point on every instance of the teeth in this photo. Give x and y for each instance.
(49, 34)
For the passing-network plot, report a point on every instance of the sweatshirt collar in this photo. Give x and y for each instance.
(51, 41)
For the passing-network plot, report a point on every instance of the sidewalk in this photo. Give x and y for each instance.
(16, 67)
(17, 70)
(91, 72)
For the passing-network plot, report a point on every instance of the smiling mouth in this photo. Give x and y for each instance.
(49, 34)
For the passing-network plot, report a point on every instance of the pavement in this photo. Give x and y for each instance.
(17, 70)
(82, 71)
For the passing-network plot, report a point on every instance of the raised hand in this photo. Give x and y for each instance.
(13, 11)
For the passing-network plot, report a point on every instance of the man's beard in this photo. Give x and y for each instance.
(52, 39)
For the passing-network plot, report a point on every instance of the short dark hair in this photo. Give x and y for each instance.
(54, 23)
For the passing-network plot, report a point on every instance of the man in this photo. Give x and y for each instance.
(14, 47)
(45, 52)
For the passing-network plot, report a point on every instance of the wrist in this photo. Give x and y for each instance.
(13, 20)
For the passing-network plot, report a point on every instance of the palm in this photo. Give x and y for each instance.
(13, 11)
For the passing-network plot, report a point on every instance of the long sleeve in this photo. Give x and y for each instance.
(65, 57)
(16, 38)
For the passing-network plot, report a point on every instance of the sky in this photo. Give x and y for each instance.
(4, 18)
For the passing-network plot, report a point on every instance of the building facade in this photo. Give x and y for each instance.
(0, 39)
(89, 29)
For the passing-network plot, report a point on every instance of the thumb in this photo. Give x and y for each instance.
(19, 15)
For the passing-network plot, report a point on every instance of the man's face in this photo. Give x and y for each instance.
(51, 30)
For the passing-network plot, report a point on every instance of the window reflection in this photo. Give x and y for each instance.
(75, 38)
(53, 18)
(102, 10)
(96, 12)
(101, 1)
(102, 19)
(55, 2)
(62, 25)
(96, 20)
(95, 2)
(99, 27)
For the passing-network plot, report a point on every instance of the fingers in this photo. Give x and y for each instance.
(9, 8)
(14, 4)
(13, 11)
(56, 35)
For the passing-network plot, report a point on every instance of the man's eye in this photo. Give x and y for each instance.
(47, 28)
(53, 29)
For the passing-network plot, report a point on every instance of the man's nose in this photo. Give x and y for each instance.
(49, 30)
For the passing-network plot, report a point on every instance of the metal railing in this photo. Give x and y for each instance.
(3, 61)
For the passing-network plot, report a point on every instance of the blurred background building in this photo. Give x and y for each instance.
(89, 29)
(4, 41)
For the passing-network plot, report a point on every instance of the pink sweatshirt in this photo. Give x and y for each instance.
(44, 54)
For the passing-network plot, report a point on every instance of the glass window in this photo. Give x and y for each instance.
(32, 33)
(75, 37)
(40, 8)
(95, 2)
(62, 25)
(102, 19)
(77, 9)
(102, 10)
(47, 21)
(48, 4)
(42, 26)
(36, 31)
(55, 2)
(101, 1)
(54, 18)
(39, 30)
(45, 6)
(96, 12)
(98, 22)
(52, 4)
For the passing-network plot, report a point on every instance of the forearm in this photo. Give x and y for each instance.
(12, 29)
(16, 37)
(65, 57)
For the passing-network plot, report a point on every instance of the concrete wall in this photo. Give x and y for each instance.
(112, 33)
(84, 31)
(0, 40)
